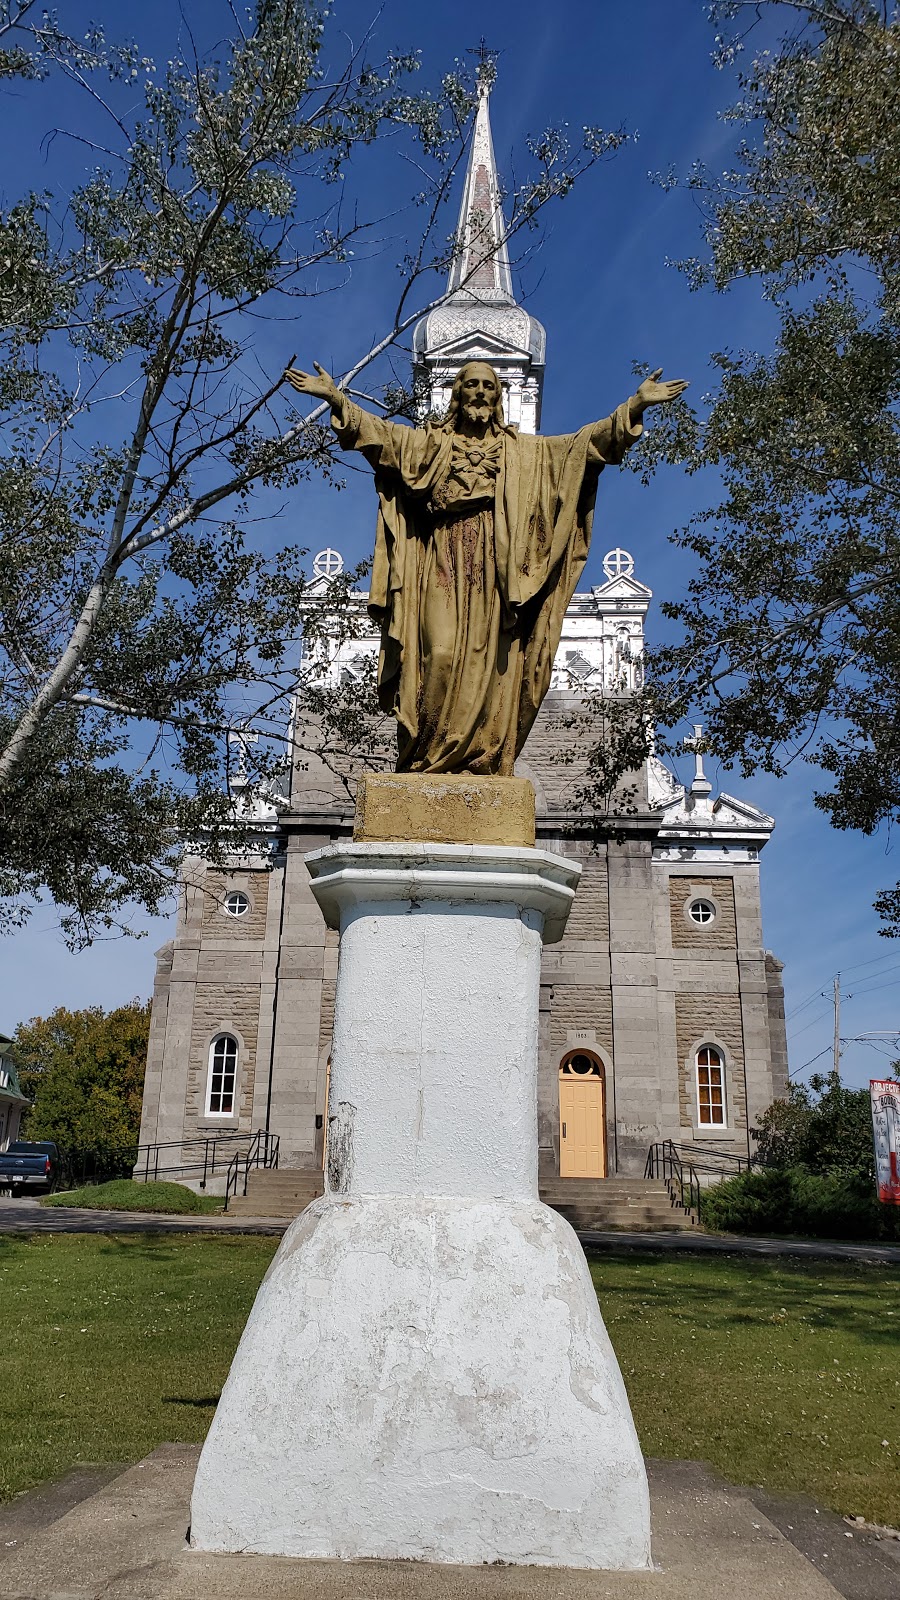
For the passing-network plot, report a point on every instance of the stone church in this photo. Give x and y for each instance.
(662, 1012)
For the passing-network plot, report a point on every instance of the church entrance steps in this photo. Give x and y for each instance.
(634, 1205)
(597, 1205)
(282, 1192)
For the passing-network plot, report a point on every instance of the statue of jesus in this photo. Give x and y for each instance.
(482, 536)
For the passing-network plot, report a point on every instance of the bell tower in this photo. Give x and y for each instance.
(481, 321)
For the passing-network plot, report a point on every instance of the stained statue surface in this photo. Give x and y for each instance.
(482, 535)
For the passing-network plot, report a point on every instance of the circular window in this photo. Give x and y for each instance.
(581, 1064)
(703, 912)
(236, 904)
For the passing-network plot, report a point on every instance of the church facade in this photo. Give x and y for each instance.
(662, 1013)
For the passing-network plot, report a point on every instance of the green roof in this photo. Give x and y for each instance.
(10, 1087)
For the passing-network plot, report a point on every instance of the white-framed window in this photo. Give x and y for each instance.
(703, 912)
(236, 904)
(223, 1055)
(710, 1087)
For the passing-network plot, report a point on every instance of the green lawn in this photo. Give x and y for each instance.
(124, 1194)
(780, 1373)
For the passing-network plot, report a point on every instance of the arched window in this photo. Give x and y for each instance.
(223, 1054)
(710, 1087)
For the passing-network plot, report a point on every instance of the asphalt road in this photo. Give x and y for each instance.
(22, 1215)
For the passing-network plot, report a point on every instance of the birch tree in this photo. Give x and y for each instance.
(142, 620)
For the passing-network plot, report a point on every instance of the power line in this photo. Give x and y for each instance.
(811, 1024)
(861, 966)
(810, 1063)
(891, 984)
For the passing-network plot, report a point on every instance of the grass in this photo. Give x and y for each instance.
(114, 1343)
(781, 1373)
(123, 1194)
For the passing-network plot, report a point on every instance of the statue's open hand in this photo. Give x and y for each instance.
(320, 384)
(654, 393)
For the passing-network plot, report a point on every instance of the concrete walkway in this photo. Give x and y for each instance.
(124, 1539)
(24, 1215)
(29, 1216)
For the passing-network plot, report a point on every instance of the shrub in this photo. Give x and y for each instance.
(795, 1200)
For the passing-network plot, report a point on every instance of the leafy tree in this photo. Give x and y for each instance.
(823, 1126)
(790, 627)
(140, 622)
(84, 1071)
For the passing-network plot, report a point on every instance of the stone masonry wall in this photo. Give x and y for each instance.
(222, 1009)
(218, 884)
(686, 935)
(715, 1018)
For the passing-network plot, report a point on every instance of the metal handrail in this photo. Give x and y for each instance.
(195, 1157)
(706, 1159)
(680, 1177)
(263, 1152)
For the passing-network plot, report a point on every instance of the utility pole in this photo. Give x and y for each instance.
(837, 1025)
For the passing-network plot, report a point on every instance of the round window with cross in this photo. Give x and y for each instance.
(703, 912)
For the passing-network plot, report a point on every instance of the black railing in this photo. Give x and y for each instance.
(679, 1176)
(719, 1164)
(263, 1152)
(189, 1158)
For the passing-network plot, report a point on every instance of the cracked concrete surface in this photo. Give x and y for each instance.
(127, 1542)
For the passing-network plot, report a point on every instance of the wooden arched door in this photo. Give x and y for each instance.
(582, 1115)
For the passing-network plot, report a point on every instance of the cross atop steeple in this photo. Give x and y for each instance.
(487, 66)
(701, 785)
(481, 269)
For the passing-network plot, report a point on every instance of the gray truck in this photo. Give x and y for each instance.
(25, 1166)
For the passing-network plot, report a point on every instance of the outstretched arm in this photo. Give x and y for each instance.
(615, 435)
(654, 393)
(383, 443)
(320, 385)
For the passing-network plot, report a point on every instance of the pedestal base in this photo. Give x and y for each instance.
(427, 1378)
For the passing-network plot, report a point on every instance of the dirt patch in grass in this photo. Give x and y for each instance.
(123, 1194)
(778, 1372)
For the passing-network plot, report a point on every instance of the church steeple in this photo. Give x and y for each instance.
(481, 269)
(480, 320)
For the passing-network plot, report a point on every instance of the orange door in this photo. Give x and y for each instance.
(582, 1128)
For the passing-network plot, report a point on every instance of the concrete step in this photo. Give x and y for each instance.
(630, 1205)
(282, 1193)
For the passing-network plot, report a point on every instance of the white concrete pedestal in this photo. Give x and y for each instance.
(425, 1372)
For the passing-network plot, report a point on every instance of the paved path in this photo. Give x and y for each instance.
(29, 1216)
(734, 1244)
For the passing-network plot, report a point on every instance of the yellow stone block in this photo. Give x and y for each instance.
(443, 808)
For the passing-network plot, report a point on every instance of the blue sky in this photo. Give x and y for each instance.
(601, 283)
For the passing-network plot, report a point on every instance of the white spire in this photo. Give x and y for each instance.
(480, 320)
(481, 268)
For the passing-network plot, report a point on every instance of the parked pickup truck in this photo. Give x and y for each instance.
(32, 1166)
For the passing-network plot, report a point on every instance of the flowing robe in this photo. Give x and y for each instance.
(478, 551)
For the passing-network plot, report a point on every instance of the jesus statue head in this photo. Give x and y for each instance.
(476, 401)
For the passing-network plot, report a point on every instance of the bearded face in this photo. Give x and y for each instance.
(478, 395)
